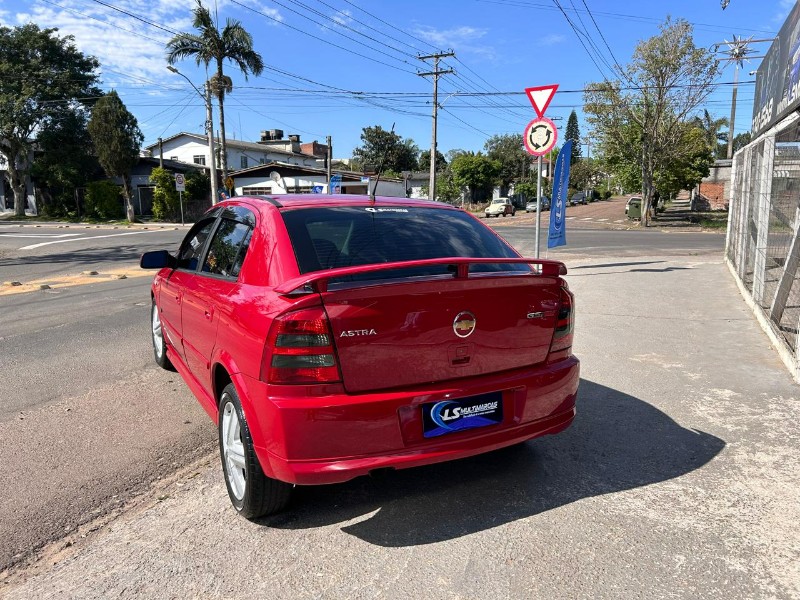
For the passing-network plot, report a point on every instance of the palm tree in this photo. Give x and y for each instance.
(711, 128)
(210, 45)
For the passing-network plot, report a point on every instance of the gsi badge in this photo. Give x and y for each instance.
(464, 324)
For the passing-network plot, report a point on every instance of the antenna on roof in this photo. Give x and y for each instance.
(380, 170)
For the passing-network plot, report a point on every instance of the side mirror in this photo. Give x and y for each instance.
(158, 259)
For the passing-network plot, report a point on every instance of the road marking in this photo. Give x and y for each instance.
(619, 221)
(602, 219)
(570, 218)
(587, 219)
(95, 237)
(37, 235)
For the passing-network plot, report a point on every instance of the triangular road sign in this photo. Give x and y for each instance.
(540, 97)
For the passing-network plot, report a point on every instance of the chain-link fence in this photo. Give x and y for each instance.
(764, 226)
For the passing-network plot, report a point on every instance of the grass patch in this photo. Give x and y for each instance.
(714, 223)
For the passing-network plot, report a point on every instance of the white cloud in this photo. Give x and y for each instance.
(343, 17)
(552, 39)
(126, 47)
(464, 39)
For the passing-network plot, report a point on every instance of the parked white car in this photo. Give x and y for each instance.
(500, 206)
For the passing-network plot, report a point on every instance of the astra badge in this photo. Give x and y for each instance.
(464, 324)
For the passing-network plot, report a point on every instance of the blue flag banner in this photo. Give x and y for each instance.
(558, 204)
(336, 184)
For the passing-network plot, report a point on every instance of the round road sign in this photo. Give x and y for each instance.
(540, 136)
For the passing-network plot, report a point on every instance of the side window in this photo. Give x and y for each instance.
(192, 245)
(229, 242)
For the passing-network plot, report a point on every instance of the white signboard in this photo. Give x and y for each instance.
(180, 182)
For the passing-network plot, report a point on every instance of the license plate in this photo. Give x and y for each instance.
(449, 416)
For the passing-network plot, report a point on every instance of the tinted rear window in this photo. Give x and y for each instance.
(326, 238)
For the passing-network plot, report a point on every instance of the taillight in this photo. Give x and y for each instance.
(300, 349)
(565, 325)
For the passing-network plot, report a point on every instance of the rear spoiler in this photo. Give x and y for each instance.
(318, 280)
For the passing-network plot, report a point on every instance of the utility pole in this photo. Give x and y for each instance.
(212, 153)
(212, 159)
(436, 73)
(738, 51)
(160, 153)
(328, 160)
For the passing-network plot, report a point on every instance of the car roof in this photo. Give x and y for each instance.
(291, 201)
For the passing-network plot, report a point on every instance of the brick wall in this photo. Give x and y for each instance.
(315, 148)
(714, 191)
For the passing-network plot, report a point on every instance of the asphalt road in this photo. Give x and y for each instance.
(87, 420)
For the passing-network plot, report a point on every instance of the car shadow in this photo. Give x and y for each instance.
(618, 264)
(617, 442)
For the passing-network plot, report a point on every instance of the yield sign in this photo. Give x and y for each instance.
(540, 97)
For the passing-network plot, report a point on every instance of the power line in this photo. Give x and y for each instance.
(324, 41)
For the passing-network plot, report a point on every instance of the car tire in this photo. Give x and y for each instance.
(157, 337)
(252, 493)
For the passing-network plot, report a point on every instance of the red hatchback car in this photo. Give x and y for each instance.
(330, 336)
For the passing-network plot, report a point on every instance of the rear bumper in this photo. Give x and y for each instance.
(304, 439)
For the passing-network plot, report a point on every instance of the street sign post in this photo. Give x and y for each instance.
(540, 137)
(180, 187)
(540, 97)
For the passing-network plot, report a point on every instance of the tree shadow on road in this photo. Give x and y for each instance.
(616, 443)
(83, 256)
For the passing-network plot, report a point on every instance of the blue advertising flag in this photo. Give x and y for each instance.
(558, 204)
(335, 186)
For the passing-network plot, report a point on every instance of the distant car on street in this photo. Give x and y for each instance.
(578, 198)
(531, 206)
(500, 206)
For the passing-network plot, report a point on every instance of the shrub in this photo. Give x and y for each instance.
(165, 198)
(103, 200)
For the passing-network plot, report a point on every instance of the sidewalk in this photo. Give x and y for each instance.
(679, 478)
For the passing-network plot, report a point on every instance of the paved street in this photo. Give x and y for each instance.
(679, 477)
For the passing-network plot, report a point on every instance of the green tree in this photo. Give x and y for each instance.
(508, 150)
(385, 150)
(447, 190)
(210, 45)
(425, 161)
(198, 185)
(573, 133)
(583, 174)
(741, 140)
(45, 79)
(103, 200)
(713, 135)
(526, 189)
(667, 79)
(688, 167)
(477, 173)
(166, 201)
(117, 141)
(64, 163)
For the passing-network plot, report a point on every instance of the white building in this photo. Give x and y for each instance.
(193, 148)
(282, 178)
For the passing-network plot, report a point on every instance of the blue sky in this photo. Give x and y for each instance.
(336, 66)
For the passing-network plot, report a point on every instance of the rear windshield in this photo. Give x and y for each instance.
(326, 238)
